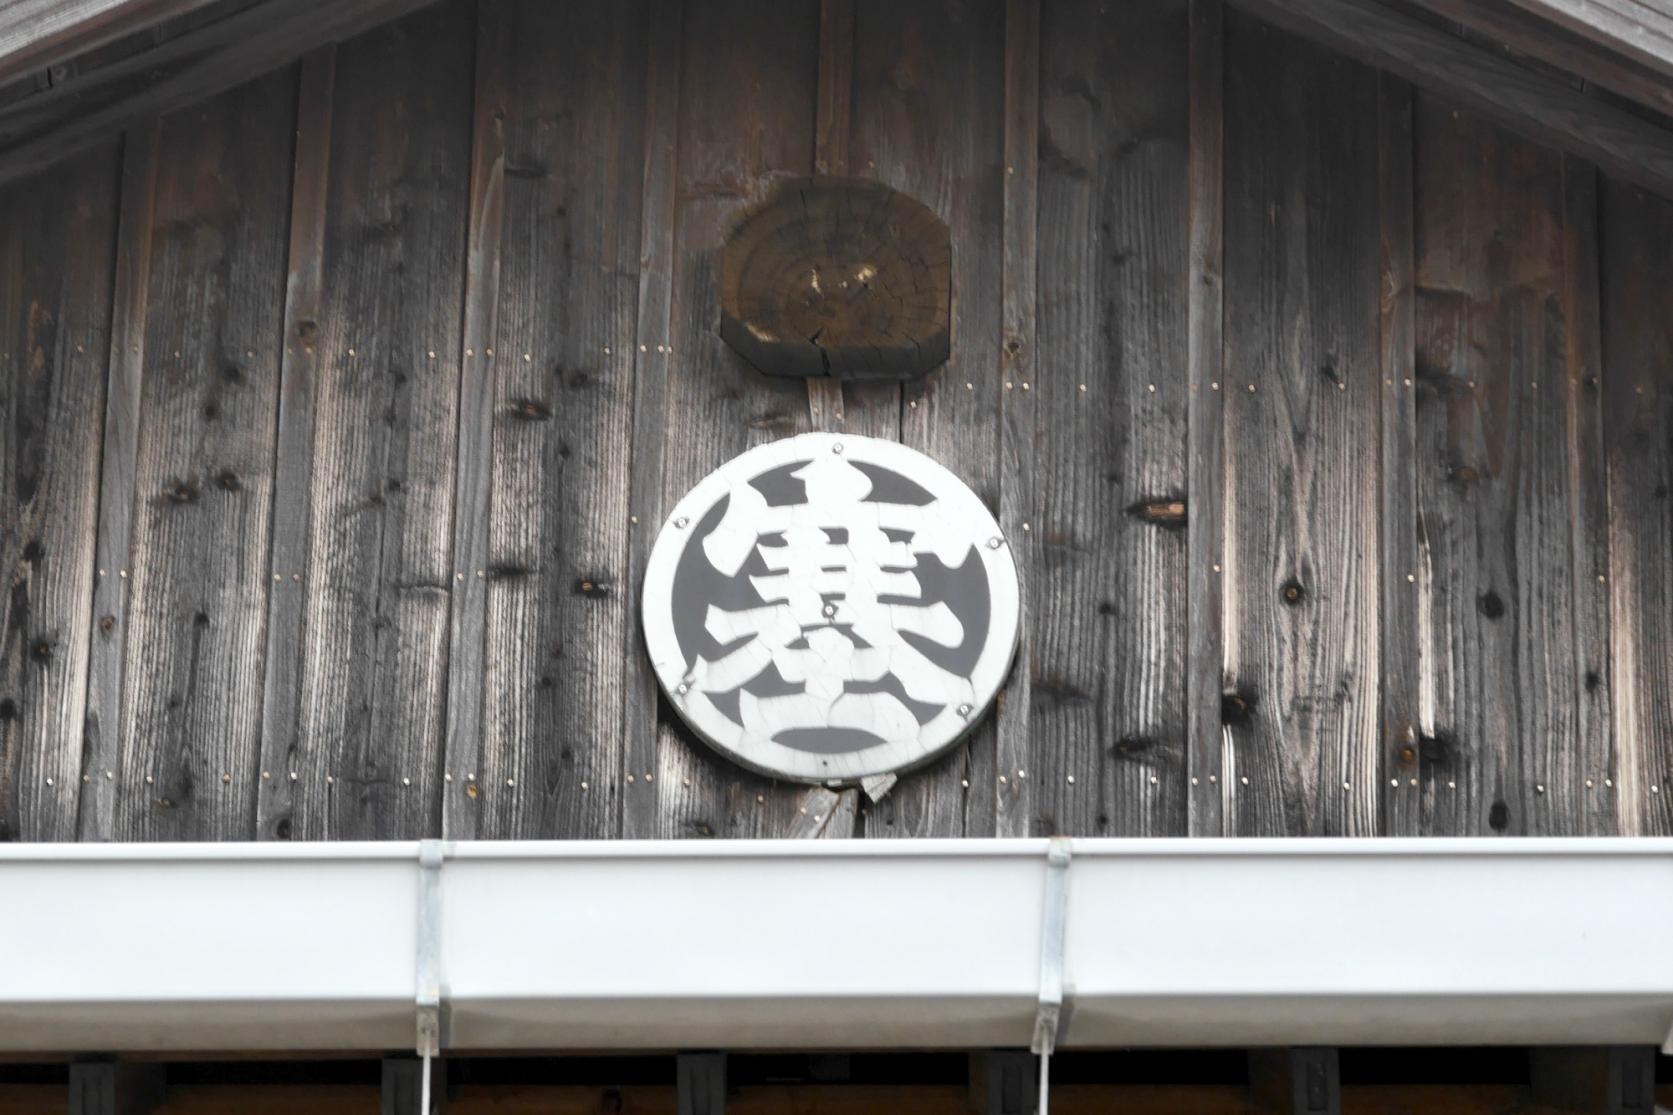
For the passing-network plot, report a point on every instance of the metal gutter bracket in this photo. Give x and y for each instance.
(1053, 924)
(428, 941)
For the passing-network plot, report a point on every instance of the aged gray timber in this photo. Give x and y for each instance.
(293, 466)
(1637, 28)
(1540, 107)
(1019, 429)
(871, 409)
(1638, 420)
(373, 578)
(832, 127)
(938, 135)
(1591, 747)
(467, 605)
(102, 736)
(746, 117)
(1516, 670)
(1109, 581)
(561, 351)
(191, 706)
(1402, 728)
(642, 708)
(1205, 419)
(1301, 397)
(1530, 37)
(39, 34)
(184, 70)
(57, 246)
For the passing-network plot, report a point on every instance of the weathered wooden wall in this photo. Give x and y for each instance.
(1334, 427)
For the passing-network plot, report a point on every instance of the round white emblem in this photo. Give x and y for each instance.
(826, 608)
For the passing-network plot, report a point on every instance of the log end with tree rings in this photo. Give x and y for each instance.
(838, 277)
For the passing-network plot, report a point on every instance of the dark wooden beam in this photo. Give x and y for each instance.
(1598, 1080)
(1004, 1082)
(114, 1088)
(403, 1086)
(1629, 27)
(39, 34)
(701, 1082)
(1300, 1081)
(1530, 37)
(38, 131)
(1531, 104)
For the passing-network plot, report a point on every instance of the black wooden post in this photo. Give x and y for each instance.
(1004, 1082)
(114, 1088)
(702, 1083)
(1305, 1080)
(1607, 1080)
(403, 1086)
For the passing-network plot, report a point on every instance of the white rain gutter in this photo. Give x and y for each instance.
(860, 945)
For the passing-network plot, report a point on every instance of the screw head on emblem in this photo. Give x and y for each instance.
(831, 609)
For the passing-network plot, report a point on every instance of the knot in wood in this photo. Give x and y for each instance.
(838, 277)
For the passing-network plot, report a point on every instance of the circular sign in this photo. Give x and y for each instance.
(827, 608)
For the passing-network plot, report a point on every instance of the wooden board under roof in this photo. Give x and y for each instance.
(191, 702)
(1512, 593)
(57, 248)
(1108, 537)
(1301, 397)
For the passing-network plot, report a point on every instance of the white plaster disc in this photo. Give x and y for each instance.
(827, 608)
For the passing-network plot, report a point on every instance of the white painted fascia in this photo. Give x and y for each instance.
(815, 944)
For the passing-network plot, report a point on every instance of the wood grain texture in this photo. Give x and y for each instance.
(467, 602)
(198, 64)
(1019, 428)
(929, 118)
(1109, 582)
(191, 708)
(375, 571)
(1637, 267)
(1636, 28)
(1543, 108)
(102, 734)
(37, 34)
(1516, 667)
(642, 707)
(747, 102)
(1205, 419)
(57, 251)
(558, 604)
(1531, 37)
(1300, 705)
(1402, 653)
(293, 463)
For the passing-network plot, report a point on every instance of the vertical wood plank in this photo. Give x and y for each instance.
(1019, 429)
(102, 743)
(293, 467)
(57, 250)
(1301, 396)
(1593, 747)
(467, 603)
(642, 707)
(1501, 379)
(558, 609)
(868, 408)
(1205, 419)
(191, 715)
(929, 120)
(1638, 437)
(833, 124)
(1403, 729)
(747, 107)
(1111, 390)
(374, 565)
